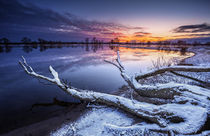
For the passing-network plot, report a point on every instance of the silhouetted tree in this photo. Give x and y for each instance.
(4, 40)
(159, 43)
(94, 40)
(41, 40)
(86, 40)
(116, 40)
(180, 42)
(166, 43)
(195, 43)
(34, 45)
(26, 40)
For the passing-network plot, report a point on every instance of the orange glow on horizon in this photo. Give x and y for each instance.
(141, 39)
(151, 38)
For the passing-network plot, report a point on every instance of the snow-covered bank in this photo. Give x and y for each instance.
(201, 57)
(109, 122)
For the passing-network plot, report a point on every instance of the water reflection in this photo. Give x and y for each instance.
(81, 65)
(43, 47)
(55, 102)
(88, 47)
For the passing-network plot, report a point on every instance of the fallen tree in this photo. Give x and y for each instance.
(190, 117)
(179, 93)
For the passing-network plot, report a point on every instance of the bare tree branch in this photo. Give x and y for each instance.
(177, 92)
(173, 68)
(193, 116)
(185, 76)
(138, 109)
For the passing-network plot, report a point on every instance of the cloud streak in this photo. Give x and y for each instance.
(141, 34)
(19, 16)
(197, 28)
(194, 35)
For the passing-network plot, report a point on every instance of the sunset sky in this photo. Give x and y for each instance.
(74, 20)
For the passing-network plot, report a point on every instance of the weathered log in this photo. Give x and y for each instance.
(172, 68)
(159, 114)
(189, 77)
(176, 91)
(136, 108)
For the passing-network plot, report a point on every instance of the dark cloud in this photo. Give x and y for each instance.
(193, 28)
(141, 34)
(144, 33)
(18, 16)
(194, 35)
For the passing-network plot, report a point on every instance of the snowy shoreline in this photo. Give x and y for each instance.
(198, 53)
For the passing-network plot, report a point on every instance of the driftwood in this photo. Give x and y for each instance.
(179, 93)
(189, 77)
(193, 116)
(136, 108)
(173, 68)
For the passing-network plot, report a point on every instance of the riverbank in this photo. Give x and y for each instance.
(77, 112)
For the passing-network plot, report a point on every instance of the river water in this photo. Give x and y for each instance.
(82, 66)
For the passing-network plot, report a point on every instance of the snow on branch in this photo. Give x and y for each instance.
(189, 77)
(175, 91)
(191, 117)
(172, 68)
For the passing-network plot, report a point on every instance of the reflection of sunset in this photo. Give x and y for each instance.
(136, 53)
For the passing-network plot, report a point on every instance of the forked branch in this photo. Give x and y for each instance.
(176, 91)
(193, 116)
(136, 108)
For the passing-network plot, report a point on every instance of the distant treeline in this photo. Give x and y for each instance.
(94, 40)
(43, 47)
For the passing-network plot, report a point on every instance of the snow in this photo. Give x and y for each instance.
(204, 133)
(194, 117)
(201, 57)
(94, 123)
(110, 121)
(54, 73)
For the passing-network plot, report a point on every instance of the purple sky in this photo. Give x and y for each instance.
(73, 20)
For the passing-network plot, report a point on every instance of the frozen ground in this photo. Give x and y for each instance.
(94, 123)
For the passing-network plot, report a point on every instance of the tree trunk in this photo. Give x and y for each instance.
(159, 114)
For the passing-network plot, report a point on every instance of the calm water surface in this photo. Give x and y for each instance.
(83, 66)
